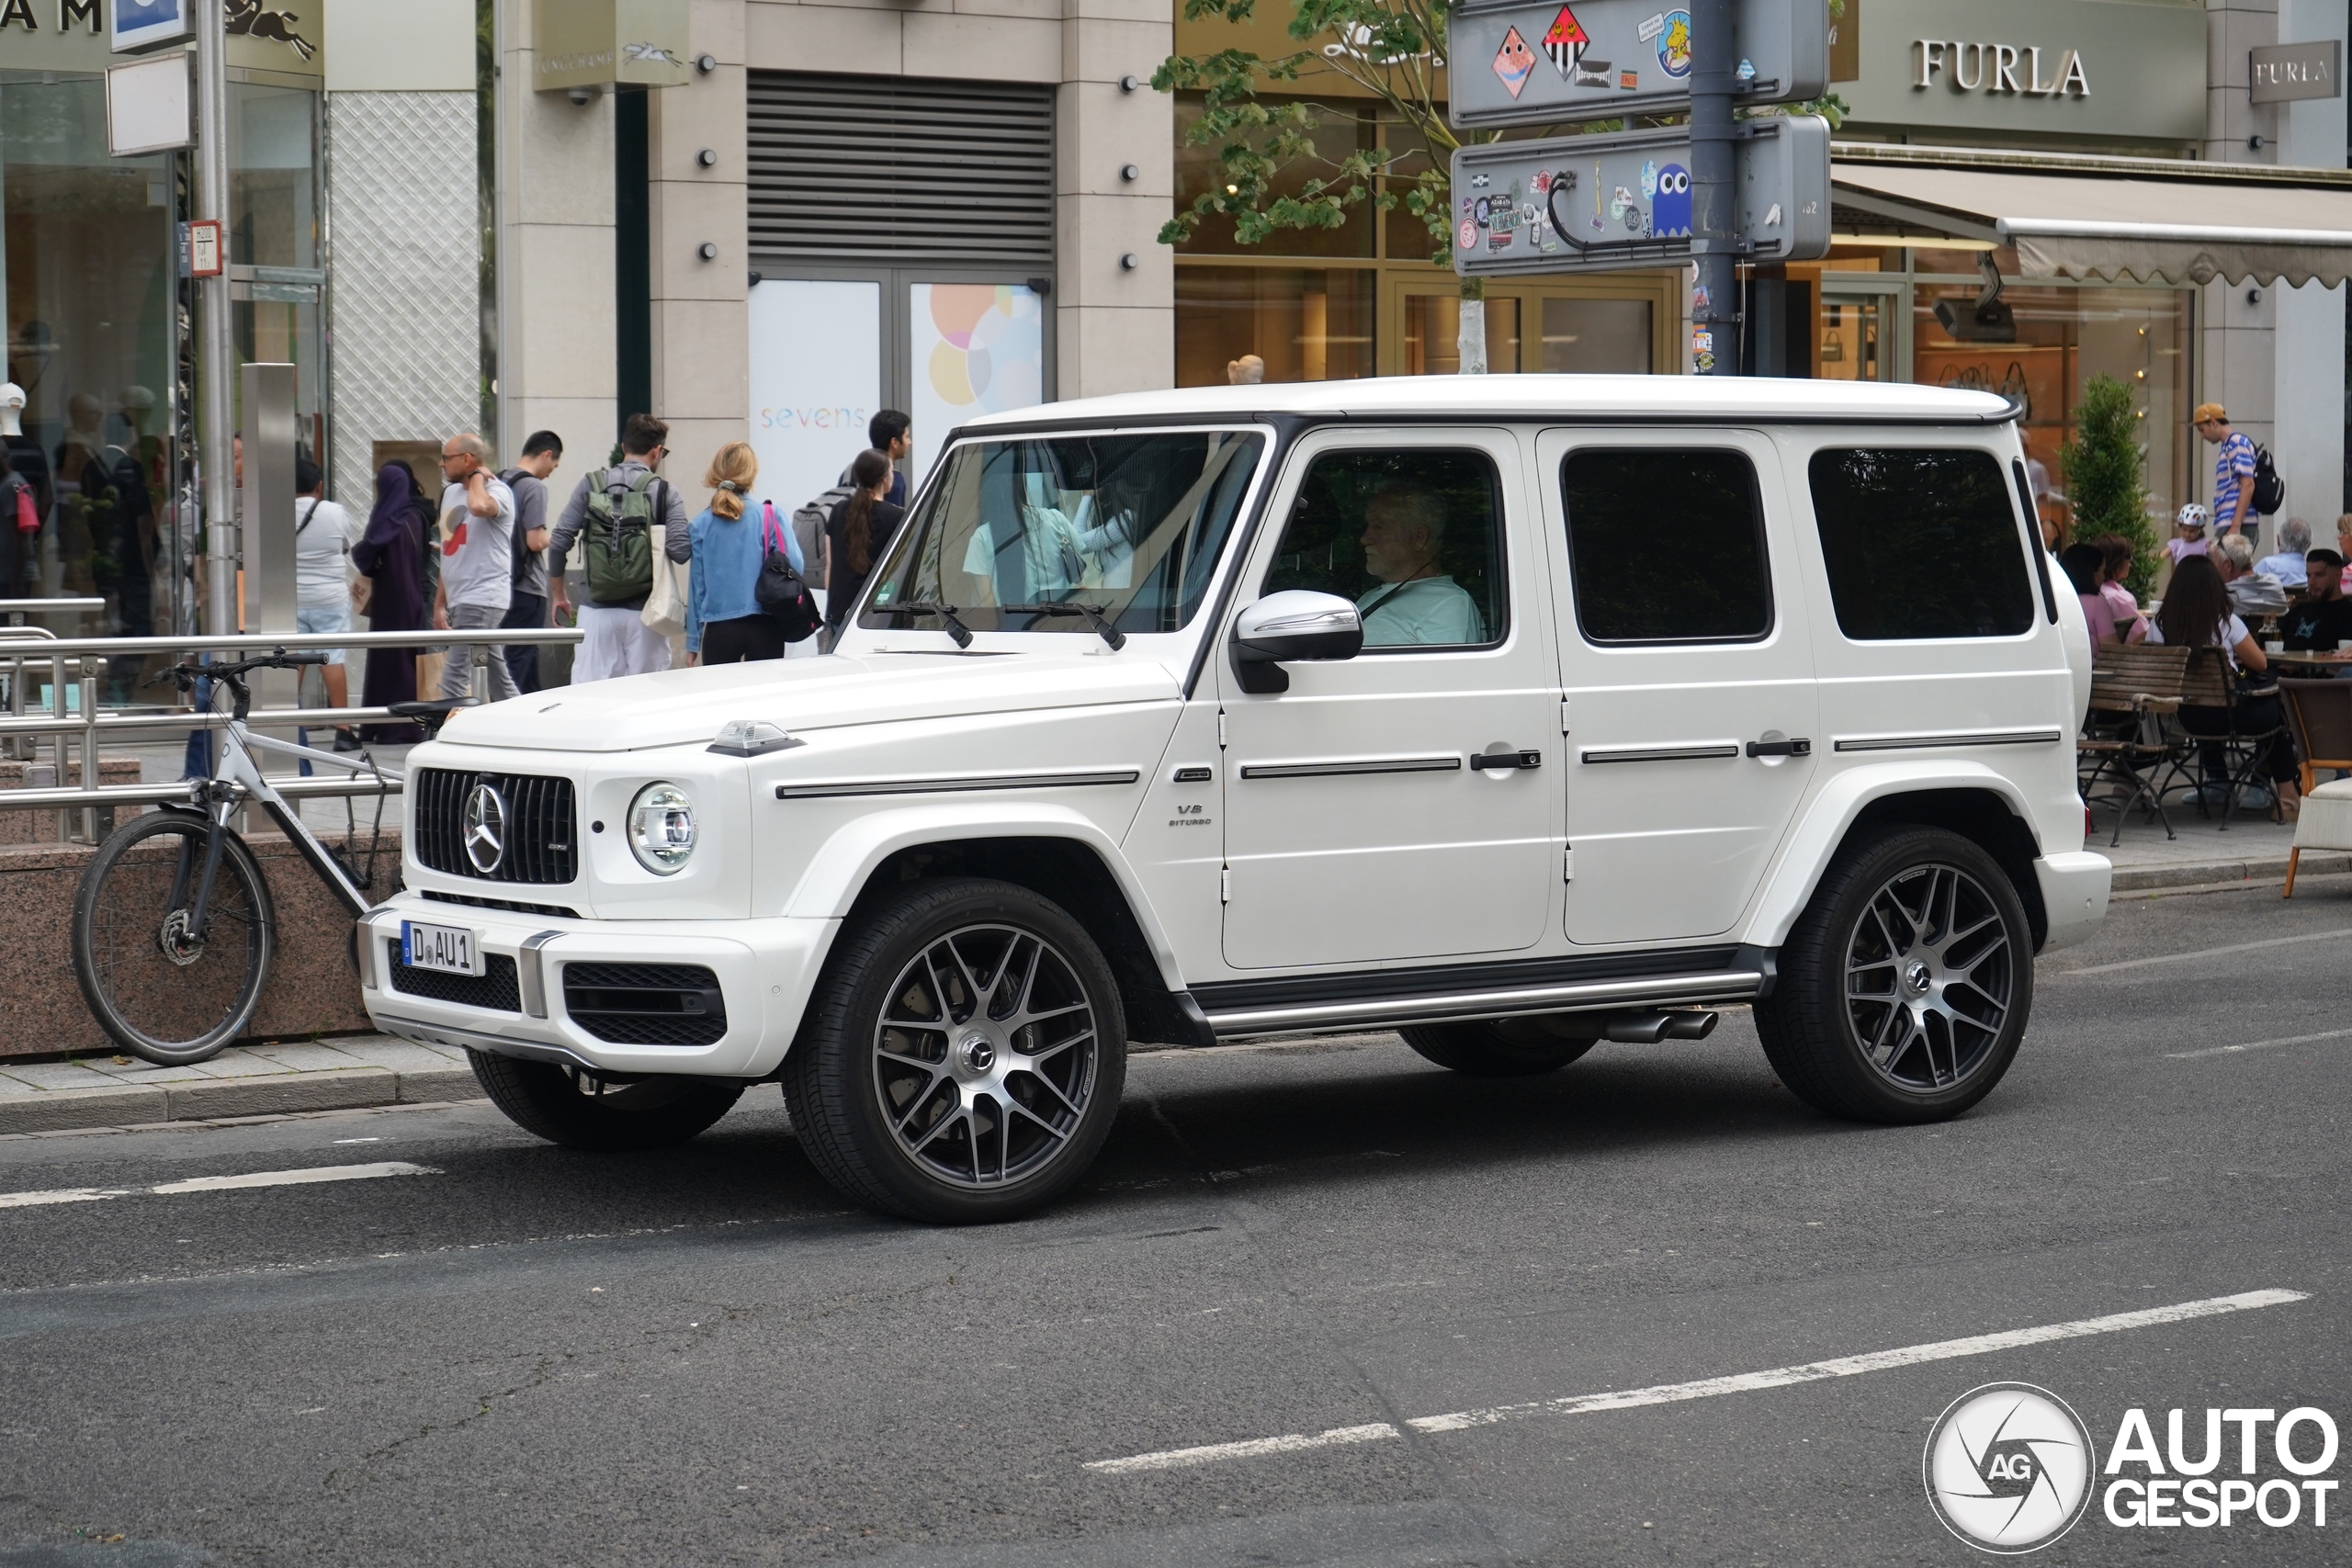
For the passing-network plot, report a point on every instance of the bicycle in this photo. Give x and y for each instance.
(173, 929)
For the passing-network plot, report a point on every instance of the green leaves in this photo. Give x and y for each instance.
(2106, 474)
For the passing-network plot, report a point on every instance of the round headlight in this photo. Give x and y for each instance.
(661, 828)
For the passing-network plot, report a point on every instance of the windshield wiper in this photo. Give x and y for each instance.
(1093, 614)
(955, 628)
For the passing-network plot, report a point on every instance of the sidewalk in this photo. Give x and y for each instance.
(352, 1072)
(2254, 850)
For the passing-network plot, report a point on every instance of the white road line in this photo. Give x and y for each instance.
(2192, 954)
(219, 1184)
(1705, 1388)
(2255, 1045)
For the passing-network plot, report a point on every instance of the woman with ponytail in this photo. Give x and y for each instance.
(858, 532)
(731, 535)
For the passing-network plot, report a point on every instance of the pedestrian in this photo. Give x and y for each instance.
(860, 527)
(526, 606)
(477, 563)
(2233, 470)
(2188, 534)
(724, 622)
(390, 555)
(892, 433)
(323, 581)
(2286, 567)
(611, 517)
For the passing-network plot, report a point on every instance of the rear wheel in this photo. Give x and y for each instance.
(1501, 1048)
(962, 1056)
(165, 987)
(1904, 985)
(581, 1110)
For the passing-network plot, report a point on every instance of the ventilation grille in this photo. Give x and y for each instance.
(541, 840)
(894, 171)
(496, 991)
(646, 1004)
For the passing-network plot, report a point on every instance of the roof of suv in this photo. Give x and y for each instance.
(1679, 398)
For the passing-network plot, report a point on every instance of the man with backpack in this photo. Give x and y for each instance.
(529, 607)
(890, 433)
(611, 516)
(2243, 480)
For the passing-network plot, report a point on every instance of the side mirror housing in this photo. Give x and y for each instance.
(1293, 625)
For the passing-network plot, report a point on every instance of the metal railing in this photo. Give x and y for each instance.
(77, 665)
(41, 607)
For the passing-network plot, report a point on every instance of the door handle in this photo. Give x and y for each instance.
(1798, 748)
(1482, 762)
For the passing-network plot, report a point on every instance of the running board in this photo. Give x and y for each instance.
(1644, 991)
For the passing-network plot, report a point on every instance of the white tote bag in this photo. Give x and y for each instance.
(665, 605)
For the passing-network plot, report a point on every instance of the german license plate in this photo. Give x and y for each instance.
(452, 950)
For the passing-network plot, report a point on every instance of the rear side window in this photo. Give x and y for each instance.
(1412, 534)
(1666, 545)
(1920, 542)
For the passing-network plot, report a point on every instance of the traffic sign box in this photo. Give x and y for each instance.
(1620, 200)
(1512, 62)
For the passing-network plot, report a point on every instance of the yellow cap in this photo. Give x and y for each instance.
(2214, 411)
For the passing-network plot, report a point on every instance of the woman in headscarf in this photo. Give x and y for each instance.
(392, 553)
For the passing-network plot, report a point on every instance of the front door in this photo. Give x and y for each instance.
(1364, 820)
(1692, 710)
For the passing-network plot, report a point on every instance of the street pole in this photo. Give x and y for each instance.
(1714, 214)
(215, 343)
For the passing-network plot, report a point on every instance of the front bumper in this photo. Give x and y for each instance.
(2073, 895)
(765, 970)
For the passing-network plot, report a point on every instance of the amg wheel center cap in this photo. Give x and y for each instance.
(978, 1055)
(1918, 978)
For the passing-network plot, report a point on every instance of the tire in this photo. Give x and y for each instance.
(159, 994)
(920, 1086)
(1499, 1048)
(567, 1106)
(1904, 985)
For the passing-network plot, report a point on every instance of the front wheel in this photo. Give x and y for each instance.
(165, 987)
(1904, 985)
(1501, 1048)
(963, 1054)
(580, 1110)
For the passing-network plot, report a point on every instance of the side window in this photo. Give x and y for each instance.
(1920, 542)
(1666, 544)
(1414, 537)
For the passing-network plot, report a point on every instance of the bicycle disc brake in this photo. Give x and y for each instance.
(180, 945)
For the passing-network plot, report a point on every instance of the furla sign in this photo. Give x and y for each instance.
(2114, 70)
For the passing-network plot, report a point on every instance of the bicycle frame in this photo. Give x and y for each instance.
(238, 780)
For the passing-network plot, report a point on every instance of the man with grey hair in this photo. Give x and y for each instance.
(477, 532)
(1416, 603)
(2286, 567)
(2252, 595)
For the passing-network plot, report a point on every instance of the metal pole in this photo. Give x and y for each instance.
(1714, 214)
(215, 345)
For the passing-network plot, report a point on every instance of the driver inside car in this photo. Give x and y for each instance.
(1417, 602)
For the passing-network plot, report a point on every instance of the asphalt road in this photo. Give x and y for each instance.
(522, 1355)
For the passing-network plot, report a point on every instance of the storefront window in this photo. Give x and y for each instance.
(1337, 136)
(274, 241)
(1306, 324)
(86, 259)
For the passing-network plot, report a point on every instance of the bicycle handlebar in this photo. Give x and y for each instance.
(185, 675)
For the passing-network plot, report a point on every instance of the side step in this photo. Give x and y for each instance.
(1630, 998)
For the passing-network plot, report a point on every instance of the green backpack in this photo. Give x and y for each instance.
(617, 535)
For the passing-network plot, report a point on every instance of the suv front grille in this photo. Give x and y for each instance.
(646, 1004)
(496, 991)
(542, 836)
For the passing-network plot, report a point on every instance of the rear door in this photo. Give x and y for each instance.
(1690, 710)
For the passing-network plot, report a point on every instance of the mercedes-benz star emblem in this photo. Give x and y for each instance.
(485, 829)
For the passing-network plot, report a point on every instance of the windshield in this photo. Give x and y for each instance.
(1130, 525)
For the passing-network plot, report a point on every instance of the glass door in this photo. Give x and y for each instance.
(1858, 325)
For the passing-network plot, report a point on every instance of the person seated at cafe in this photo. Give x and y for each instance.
(2085, 565)
(2197, 613)
(2323, 622)
(2116, 561)
(2252, 594)
(1417, 602)
(2286, 567)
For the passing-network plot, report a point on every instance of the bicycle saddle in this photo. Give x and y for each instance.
(431, 714)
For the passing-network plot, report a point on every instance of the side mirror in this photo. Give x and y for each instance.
(1294, 624)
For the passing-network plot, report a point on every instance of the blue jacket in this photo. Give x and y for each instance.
(726, 560)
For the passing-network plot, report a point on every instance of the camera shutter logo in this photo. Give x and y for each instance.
(2008, 1468)
(485, 829)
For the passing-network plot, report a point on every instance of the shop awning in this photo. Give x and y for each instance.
(2082, 226)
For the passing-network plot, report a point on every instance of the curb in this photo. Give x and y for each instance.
(357, 1088)
(2207, 874)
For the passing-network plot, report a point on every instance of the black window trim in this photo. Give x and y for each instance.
(1763, 543)
(1502, 545)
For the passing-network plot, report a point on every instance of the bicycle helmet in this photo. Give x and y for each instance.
(2193, 516)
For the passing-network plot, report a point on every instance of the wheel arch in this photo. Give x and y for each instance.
(1978, 804)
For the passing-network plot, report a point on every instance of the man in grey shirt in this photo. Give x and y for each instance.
(528, 607)
(616, 641)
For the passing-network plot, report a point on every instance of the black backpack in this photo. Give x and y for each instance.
(2269, 490)
(523, 555)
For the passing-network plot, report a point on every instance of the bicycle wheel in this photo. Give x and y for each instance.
(163, 991)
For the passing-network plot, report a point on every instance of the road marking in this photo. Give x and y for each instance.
(2255, 1045)
(2197, 952)
(1704, 1388)
(219, 1184)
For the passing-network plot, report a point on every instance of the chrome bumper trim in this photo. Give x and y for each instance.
(1728, 985)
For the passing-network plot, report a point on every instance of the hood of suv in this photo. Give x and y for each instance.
(679, 708)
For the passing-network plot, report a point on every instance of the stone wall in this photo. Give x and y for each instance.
(312, 988)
